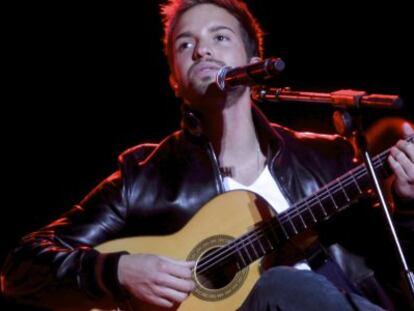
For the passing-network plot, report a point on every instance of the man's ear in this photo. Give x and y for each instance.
(174, 85)
(255, 59)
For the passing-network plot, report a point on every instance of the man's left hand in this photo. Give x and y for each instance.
(401, 160)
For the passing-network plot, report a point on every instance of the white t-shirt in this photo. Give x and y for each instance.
(266, 187)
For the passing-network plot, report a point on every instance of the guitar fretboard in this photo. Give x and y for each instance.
(303, 215)
(330, 199)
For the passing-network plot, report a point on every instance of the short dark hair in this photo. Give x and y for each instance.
(251, 31)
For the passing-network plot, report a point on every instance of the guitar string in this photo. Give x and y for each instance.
(281, 218)
(248, 235)
(242, 243)
(295, 208)
(377, 162)
(332, 188)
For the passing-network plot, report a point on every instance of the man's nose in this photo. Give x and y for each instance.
(202, 50)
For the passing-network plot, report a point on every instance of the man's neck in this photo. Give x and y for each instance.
(232, 132)
(229, 125)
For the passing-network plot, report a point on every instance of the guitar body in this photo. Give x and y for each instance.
(225, 217)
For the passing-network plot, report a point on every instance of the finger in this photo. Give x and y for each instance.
(406, 164)
(180, 262)
(160, 301)
(179, 271)
(170, 266)
(178, 284)
(397, 168)
(171, 294)
(407, 129)
(407, 148)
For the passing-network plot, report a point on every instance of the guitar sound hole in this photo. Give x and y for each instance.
(217, 275)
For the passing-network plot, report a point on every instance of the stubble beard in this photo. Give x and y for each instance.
(205, 96)
(199, 88)
(202, 89)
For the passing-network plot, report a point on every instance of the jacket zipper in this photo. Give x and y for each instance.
(216, 167)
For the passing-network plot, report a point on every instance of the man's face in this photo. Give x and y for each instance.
(205, 39)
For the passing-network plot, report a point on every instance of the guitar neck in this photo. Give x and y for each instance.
(305, 214)
(336, 196)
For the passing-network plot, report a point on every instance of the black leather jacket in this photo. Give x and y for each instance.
(157, 189)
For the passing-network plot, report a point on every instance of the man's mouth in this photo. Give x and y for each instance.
(203, 69)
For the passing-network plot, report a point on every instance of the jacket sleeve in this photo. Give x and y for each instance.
(58, 265)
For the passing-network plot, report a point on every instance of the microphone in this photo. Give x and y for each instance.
(252, 74)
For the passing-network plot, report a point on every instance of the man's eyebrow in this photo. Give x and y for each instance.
(188, 34)
(183, 35)
(217, 28)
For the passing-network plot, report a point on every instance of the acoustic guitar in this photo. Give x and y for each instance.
(228, 235)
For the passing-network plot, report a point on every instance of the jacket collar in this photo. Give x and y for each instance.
(191, 126)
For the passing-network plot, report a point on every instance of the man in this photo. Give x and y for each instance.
(224, 145)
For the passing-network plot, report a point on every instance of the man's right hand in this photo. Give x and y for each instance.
(156, 280)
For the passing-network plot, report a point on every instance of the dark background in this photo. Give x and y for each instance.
(86, 81)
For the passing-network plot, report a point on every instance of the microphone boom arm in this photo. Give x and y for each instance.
(341, 98)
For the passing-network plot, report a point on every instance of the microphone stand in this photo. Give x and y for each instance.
(339, 99)
(351, 100)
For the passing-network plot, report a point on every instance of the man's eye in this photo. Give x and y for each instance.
(183, 46)
(221, 38)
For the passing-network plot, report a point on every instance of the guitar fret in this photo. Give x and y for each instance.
(270, 244)
(261, 245)
(295, 231)
(307, 217)
(321, 205)
(274, 233)
(284, 231)
(246, 250)
(343, 189)
(356, 183)
(299, 222)
(303, 222)
(331, 196)
(268, 240)
(239, 252)
(313, 215)
(309, 208)
(254, 249)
